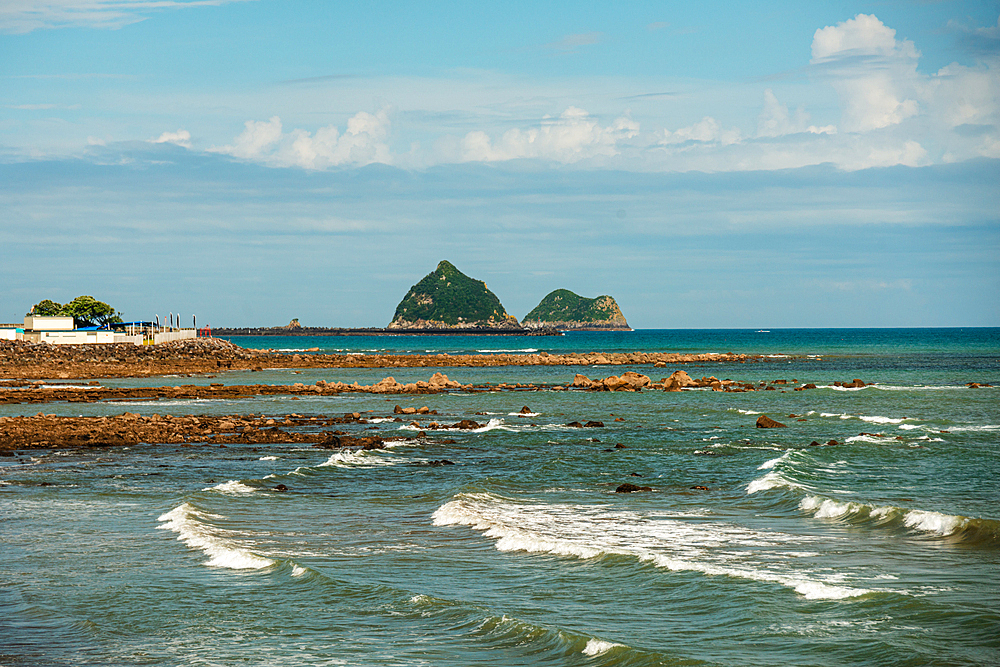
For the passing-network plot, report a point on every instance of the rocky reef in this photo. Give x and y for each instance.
(446, 298)
(567, 311)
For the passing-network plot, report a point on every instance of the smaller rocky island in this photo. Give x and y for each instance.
(446, 298)
(567, 311)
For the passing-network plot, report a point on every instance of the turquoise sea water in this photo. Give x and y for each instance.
(882, 549)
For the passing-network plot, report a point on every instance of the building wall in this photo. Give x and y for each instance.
(168, 336)
(11, 334)
(38, 323)
(71, 337)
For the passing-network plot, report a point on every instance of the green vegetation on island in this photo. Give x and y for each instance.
(563, 309)
(447, 298)
(86, 311)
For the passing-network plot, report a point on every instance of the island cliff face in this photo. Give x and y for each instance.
(448, 299)
(567, 311)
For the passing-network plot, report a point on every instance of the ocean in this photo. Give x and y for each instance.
(867, 532)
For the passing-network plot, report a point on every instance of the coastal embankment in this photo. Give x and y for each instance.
(24, 360)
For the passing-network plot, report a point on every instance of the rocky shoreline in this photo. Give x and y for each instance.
(39, 361)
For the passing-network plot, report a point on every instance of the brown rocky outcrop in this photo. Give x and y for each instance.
(677, 381)
(766, 422)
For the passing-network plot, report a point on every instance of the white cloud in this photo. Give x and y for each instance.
(864, 35)
(775, 121)
(258, 137)
(875, 74)
(363, 142)
(180, 137)
(575, 135)
(707, 130)
(24, 16)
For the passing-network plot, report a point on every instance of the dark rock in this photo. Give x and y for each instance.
(467, 424)
(594, 424)
(280, 487)
(620, 446)
(832, 442)
(575, 425)
(631, 488)
(526, 411)
(766, 422)
(700, 488)
(440, 462)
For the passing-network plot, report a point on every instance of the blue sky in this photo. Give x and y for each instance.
(709, 165)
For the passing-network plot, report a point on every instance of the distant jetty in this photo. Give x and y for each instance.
(336, 331)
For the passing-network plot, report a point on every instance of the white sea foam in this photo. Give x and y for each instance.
(232, 488)
(598, 647)
(526, 349)
(492, 424)
(359, 458)
(921, 520)
(298, 571)
(975, 429)
(747, 412)
(882, 420)
(934, 522)
(523, 414)
(268, 458)
(767, 465)
(682, 542)
(868, 438)
(193, 529)
(824, 508)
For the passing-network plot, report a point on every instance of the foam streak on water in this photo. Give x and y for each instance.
(679, 544)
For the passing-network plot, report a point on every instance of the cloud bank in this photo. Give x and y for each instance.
(24, 16)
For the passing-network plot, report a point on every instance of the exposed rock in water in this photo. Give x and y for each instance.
(766, 422)
(631, 488)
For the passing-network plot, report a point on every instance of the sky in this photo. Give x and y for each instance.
(710, 165)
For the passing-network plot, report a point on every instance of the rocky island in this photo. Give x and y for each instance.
(446, 298)
(566, 311)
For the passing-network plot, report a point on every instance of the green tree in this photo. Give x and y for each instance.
(86, 311)
(46, 308)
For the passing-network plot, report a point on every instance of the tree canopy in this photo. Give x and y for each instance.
(86, 311)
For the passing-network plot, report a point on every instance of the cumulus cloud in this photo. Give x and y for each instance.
(875, 73)
(24, 16)
(256, 140)
(575, 135)
(180, 138)
(363, 142)
(775, 121)
(864, 35)
(707, 130)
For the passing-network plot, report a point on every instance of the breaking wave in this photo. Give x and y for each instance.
(193, 529)
(685, 542)
(933, 524)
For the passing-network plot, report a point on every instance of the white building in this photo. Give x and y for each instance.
(62, 331)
